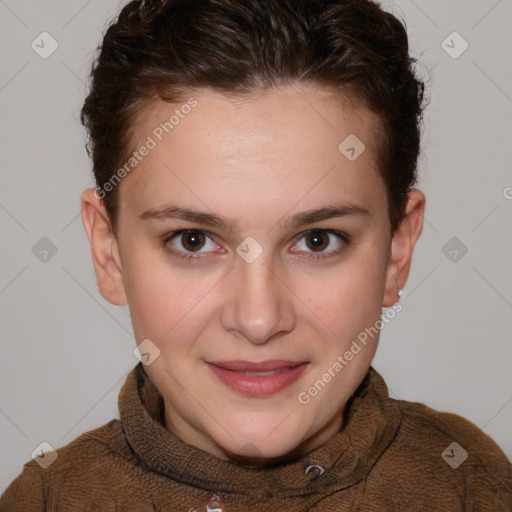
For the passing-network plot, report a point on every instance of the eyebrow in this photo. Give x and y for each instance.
(217, 221)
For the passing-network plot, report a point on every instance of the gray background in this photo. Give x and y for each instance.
(65, 351)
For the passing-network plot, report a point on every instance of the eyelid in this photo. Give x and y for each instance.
(345, 238)
(176, 233)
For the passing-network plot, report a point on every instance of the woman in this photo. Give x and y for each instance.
(255, 208)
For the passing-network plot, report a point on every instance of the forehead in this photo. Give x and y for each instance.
(275, 145)
(323, 111)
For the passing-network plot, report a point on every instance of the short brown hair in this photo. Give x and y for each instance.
(164, 48)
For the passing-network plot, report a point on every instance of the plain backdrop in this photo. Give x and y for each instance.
(65, 351)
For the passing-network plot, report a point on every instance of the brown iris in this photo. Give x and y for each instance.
(192, 240)
(316, 240)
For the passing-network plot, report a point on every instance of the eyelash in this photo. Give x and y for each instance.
(345, 238)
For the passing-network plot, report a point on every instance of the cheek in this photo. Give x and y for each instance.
(164, 300)
(154, 304)
(351, 295)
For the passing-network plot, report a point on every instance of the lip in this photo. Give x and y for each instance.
(231, 373)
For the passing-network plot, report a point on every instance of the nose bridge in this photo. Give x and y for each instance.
(259, 304)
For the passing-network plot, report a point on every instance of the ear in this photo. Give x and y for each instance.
(104, 248)
(402, 245)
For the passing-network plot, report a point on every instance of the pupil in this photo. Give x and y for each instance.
(192, 241)
(317, 241)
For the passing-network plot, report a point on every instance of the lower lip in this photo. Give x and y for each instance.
(253, 385)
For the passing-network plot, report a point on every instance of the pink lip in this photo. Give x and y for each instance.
(231, 374)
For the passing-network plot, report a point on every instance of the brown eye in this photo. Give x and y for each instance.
(322, 243)
(317, 240)
(188, 243)
(192, 240)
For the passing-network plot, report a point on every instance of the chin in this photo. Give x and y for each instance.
(262, 444)
(252, 455)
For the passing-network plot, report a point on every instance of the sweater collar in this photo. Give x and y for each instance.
(372, 420)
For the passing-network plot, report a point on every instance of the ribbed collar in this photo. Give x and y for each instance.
(371, 421)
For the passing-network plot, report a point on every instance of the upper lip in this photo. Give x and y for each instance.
(262, 366)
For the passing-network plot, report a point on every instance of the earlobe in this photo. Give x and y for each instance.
(402, 246)
(104, 249)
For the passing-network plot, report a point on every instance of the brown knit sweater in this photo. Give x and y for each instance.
(390, 455)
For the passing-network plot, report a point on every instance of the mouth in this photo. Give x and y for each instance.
(258, 379)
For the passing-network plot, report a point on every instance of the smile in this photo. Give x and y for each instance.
(258, 379)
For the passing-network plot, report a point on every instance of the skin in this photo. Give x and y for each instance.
(256, 161)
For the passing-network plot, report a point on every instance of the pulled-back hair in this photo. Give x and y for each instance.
(167, 48)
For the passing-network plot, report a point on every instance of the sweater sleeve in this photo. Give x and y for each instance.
(26, 493)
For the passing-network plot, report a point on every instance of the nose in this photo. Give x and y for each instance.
(259, 305)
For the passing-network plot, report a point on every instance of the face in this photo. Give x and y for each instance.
(252, 253)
